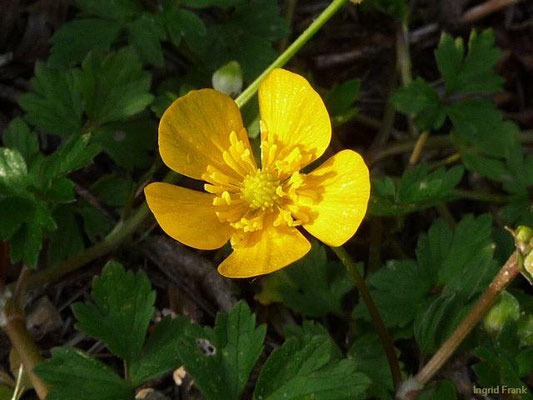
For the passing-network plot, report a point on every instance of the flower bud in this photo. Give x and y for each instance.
(506, 308)
(228, 79)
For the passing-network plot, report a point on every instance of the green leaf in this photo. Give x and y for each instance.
(461, 259)
(479, 122)
(96, 224)
(499, 363)
(114, 87)
(75, 154)
(443, 390)
(122, 301)
(14, 211)
(184, 23)
(73, 375)
(130, 144)
(369, 357)
(67, 239)
(255, 25)
(146, 34)
(113, 190)
(437, 319)
(116, 9)
(19, 137)
(307, 369)
(76, 38)
(341, 98)
(417, 189)
(312, 286)
(221, 359)
(55, 105)
(13, 172)
(473, 73)
(161, 352)
(398, 289)
(26, 244)
(421, 101)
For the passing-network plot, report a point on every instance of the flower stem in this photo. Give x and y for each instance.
(506, 274)
(382, 331)
(250, 91)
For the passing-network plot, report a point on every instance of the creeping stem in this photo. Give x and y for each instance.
(382, 331)
(292, 49)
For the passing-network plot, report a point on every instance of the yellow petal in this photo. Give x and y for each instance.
(187, 215)
(293, 116)
(338, 193)
(265, 251)
(195, 131)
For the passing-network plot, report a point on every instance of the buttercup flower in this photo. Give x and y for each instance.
(258, 208)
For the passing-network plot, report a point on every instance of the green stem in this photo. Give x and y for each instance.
(382, 331)
(477, 195)
(250, 91)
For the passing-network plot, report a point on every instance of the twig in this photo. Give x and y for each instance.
(484, 9)
(15, 328)
(505, 276)
(381, 330)
(417, 151)
(181, 265)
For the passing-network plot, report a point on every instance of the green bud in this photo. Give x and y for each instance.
(523, 234)
(506, 308)
(228, 79)
(525, 330)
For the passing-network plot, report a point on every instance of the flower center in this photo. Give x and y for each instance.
(261, 190)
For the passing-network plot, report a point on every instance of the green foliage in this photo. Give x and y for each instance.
(502, 360)
(472, 72)
(443, 390)
(114, 87)
(56, 104)
(122, 302)
(221, 358)
(309, 368)
(341, 98)
(416, 190)
(453, 266)
(398, 290)
(312, 286)
(73, 375)
(369, 358)
(422, 101)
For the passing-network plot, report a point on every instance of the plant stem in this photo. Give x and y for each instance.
(120, 232)
(250, 91)
(417, 151)
(506, 274)
(23, 343)
(382, 331)
(477, 195)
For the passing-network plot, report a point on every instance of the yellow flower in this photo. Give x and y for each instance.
(201, 135)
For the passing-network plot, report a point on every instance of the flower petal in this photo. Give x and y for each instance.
(294, 116)
(265, 251)
(195, 131)
(338, 197)
(187, 215)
